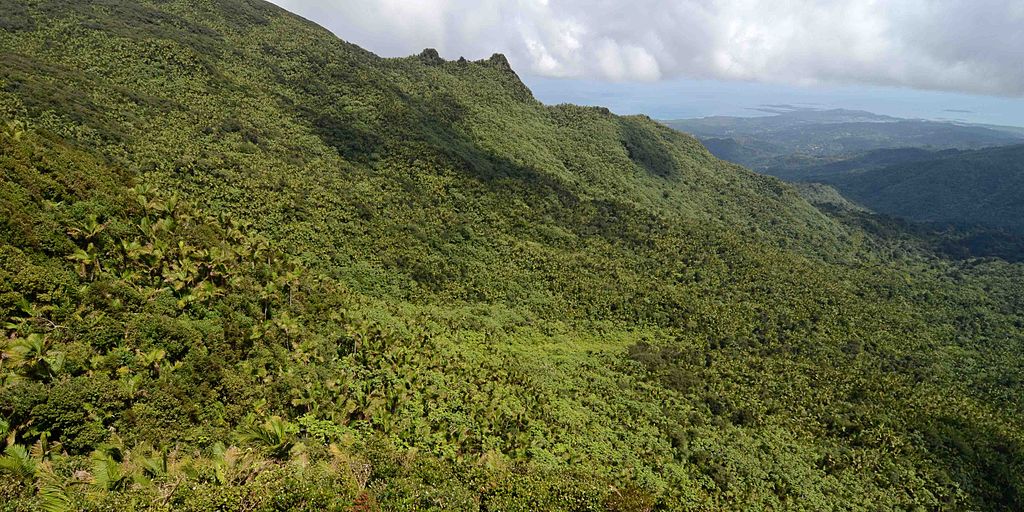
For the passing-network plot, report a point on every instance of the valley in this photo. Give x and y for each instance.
(247, 265)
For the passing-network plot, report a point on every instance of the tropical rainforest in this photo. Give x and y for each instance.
(967, 188)
(245, 265)
(958, 185)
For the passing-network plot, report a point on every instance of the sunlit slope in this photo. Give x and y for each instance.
(265, 111)
(246, 262)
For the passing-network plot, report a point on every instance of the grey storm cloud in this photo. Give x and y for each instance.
(955, 45)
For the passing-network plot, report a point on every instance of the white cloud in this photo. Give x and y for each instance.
(629, 62)
(959, 45)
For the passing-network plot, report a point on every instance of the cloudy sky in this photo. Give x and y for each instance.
(920, 58)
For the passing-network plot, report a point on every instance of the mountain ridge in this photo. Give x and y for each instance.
(248, 264)
(970, 188)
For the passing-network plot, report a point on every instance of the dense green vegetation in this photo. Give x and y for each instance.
(963, 203)
(953, 241)
(972, 188)
(870, 161)
(247, 266)
(967, 201)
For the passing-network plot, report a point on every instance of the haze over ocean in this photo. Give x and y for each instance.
(685, 98)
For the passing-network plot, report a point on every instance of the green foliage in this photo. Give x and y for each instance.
(275, 435)
(244, 265)
(17, 463)
(970, 188)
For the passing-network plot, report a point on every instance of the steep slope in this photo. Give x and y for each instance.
(827, 197)
(248, 265)
(289, 113)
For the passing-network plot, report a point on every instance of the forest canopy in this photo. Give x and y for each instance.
(247, 265)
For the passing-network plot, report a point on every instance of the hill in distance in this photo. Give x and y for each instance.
(247, 265)
(870, 161)
(970, 196)
(969, 188)
(794, 137)
(887, 164)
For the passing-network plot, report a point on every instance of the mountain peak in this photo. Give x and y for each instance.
(500, 61)
(430, 56)
(409, 273)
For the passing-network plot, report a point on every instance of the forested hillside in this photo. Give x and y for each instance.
(870, 161)
(245, 265)
(971, 188)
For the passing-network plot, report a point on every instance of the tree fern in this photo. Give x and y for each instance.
(107, 470)
(52, 491)
(275, 435)
(18, 463)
